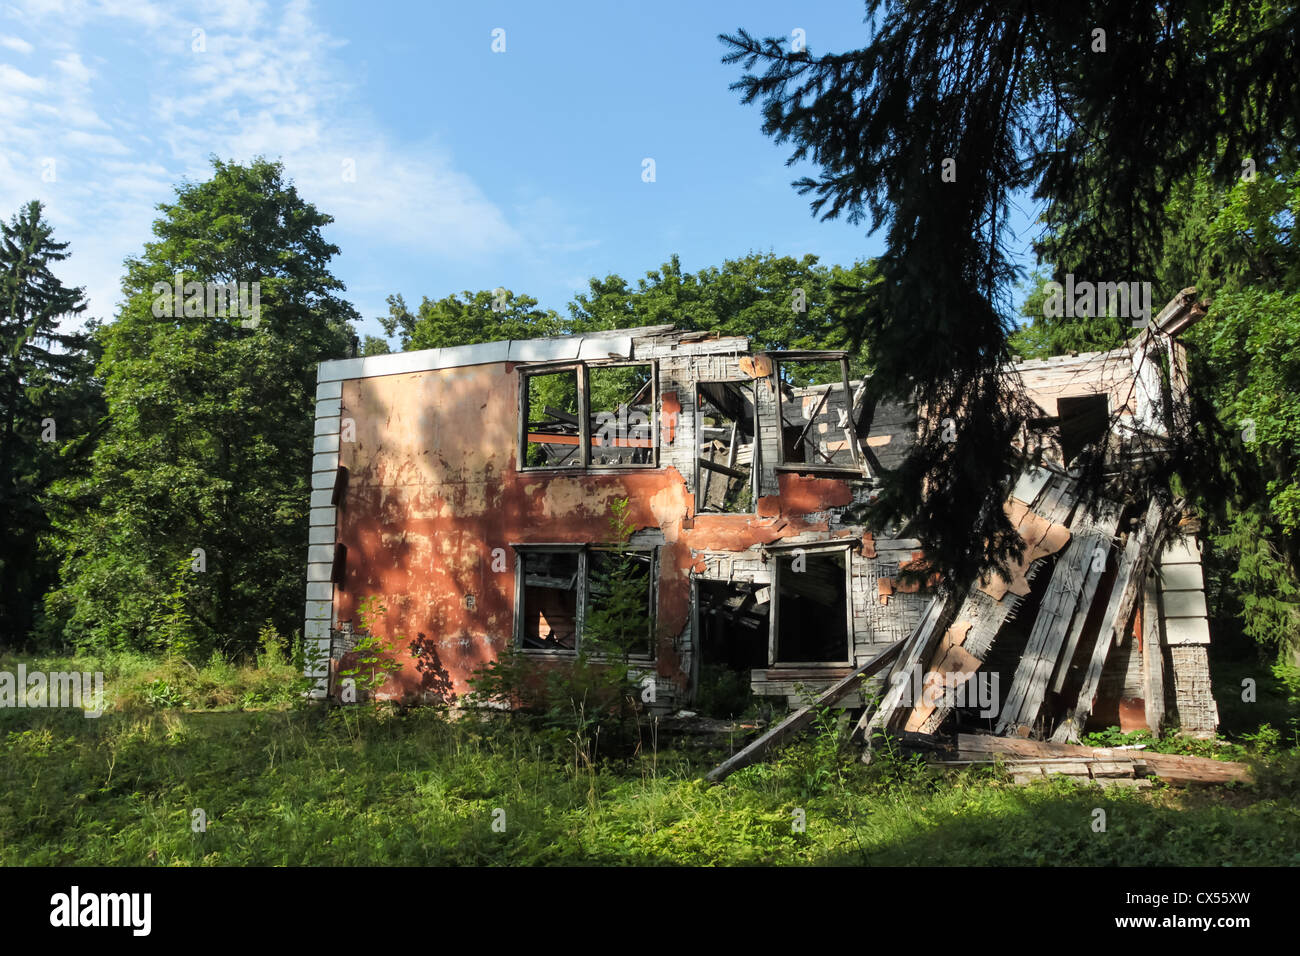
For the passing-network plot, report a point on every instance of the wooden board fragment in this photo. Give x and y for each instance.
(1153, 662)
(988, 614)
(1172, 768)
(1124, 595)
(951, 666)
(914, 650)
(1060, 616)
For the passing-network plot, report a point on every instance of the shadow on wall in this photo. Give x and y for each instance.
(435, 680)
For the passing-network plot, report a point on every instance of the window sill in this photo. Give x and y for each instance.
(794, 669)
(834, 471)
(573, 655)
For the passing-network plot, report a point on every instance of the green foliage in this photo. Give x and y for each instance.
(752, 296)
(292, 788)
(895, 769)
(159, 694)
(374, 345)
(175, 630)
(484, 316)
(618, 622)
(945, 115)
(1235, 242)
(373, 656)
(47, 391)
(272, 652)
(1043, 336)
(723, 692)
(1249, 366)
(816, 765)
(1264, 742)
(208, 439)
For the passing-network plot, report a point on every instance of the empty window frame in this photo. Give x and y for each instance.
(622, 411)
(728, 450)
(818, 413)
(552, 410)
(811, 617)
(568, 594)
(548, 599)
(619, 616)
(581, 416)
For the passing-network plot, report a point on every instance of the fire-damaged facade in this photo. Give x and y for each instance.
(471, 490)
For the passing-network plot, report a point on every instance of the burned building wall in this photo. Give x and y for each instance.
(419, 499)
(443, 488)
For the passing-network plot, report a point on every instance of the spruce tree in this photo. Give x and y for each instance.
(952, 110)
(46, 405)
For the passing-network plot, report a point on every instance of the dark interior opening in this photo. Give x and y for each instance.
(812, 612)
(550, 600)
(1083, 419)
(732, 641)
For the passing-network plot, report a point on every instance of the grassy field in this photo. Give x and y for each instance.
(285, 785)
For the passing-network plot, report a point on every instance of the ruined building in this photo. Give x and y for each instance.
(471, 489)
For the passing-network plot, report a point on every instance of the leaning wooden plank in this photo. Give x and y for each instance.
(1100, 556)
(1119, 609)
(724, 469)
(802, 717)
(914, 650)
(1153, 666)
(988, 608)
(1068, 597)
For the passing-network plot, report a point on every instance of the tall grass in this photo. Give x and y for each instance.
(355, 786)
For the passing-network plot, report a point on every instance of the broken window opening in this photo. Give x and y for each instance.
(552, 437)
(725, 415)
(732, 623)
(810, 620)
(581, 416)
(620, 610)
(600, 600)
(819, 415)
(550, 599)
(1084, 420)
(621, 422)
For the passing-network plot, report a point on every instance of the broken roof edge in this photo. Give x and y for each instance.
(1181, 313)
(600, 345)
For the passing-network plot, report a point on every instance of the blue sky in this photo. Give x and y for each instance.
(473, 169)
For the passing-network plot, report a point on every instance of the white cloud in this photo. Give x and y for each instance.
(94, 143)
(17, 44)
(14, 80)
(73, 70)
(267, 81)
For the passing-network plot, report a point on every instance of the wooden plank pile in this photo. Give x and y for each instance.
(1028, 760)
